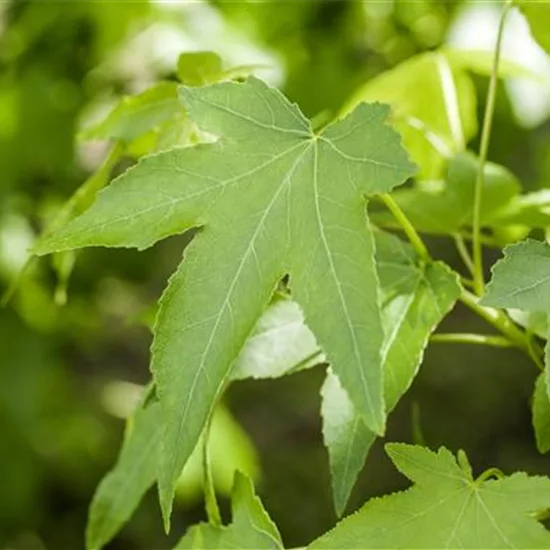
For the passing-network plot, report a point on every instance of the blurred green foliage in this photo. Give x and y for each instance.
(70, 372)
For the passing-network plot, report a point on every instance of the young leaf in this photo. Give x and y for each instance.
(521, 281)
(531, 210)
(436, 119)
(251, 529)
(199, 68)
(415, 300)
(447, 209)
(121, 490)
(446, 508)
(280, 343)
(272, 198)
(538, 16)
(137, 115)
(541, 415)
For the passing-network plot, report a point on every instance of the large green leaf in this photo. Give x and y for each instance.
(415, 299)
(272, 197)
(251, 528)
(521, 280)
(448, 207)
(446, 508)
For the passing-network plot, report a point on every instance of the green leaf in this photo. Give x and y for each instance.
(272, 198)
(445, 209)
(538, 16)
(121, 490)
(521, 280)
(137, 115)
(481, 62)
(199, 68)
(534, 322)
(531, 210)
(251, 529)
(541, 415)
(230, 449)
(446, 508)
(436, 118)
(280, 343)
(415, 299)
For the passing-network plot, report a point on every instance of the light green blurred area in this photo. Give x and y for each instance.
(69, 373)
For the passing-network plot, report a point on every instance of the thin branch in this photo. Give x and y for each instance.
(211, 503)
(463, 251)
(470, 338)
(477, 250)
(410, 231)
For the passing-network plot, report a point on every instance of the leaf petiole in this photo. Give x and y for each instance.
(477, 251)
(469, 338)
(211, 503)
(410, 231)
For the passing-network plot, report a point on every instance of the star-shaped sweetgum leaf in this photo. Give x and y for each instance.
(271, 198)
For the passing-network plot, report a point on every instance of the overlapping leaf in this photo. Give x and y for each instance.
(538, 16)
(446, 508)
(521, 280)
(415, 299)
(251, 528)
(448, 207)
(272, 198)
(279, 343)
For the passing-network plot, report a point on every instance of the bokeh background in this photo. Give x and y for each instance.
(74, 352)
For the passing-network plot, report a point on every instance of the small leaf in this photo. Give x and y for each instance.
(538, 16)
(446, 508)
(435, 119)
(122, 488)
(251, 529)
(531, 210)
(415, 300)
(137, 115)
(199, 68)
(279, 343)
(449, 207)
(303, 215)
(541, 415)
(521, 279)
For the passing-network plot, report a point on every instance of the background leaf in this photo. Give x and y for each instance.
(251, 528)
(414, 301)
(446, 508)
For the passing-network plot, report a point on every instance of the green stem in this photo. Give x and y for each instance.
(212, 508)
(408, 228)
(497, 318)
(504, 324)
(488, 474)
(477, 250)
(468, 338)
(463, 251)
